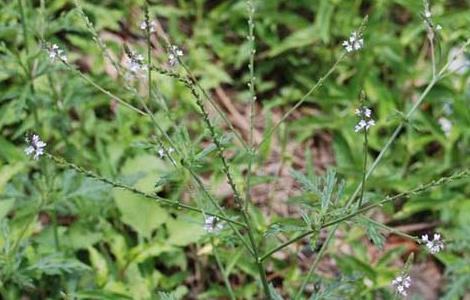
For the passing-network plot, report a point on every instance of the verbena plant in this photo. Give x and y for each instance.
(229, 228)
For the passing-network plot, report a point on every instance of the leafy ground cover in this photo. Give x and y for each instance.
(138, 149)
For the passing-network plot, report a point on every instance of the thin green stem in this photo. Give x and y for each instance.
(92, 30)
(115, 184)
(211, 101)
(104, 91)
(222, 270)
(433, 58)
(217, 205)
(28, 69)
(251, 67)
(148, 113)
(236, 195)
(312, 269)
(364, 168)
(191, 80)
(418, 190)
(23, 25)
(193, 174)
(393, 230)
(302, 100)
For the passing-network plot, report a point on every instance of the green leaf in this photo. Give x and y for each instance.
(144, 251)
(274, 293)
(372, 232)
(142, 214)
(327, 192)
(9, 152)
(7, 172)
(323, 19)
(100, 265)
(5, 207)
(182, 232)
(78, 237)
(57, 265)
(146, 168)
(298, 39)
(307, 184)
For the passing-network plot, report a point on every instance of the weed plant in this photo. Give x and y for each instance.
(134, 182)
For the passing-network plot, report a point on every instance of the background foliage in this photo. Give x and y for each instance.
(68, 236)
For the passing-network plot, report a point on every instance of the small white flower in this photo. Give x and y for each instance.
(438, 27)
(162, 153)
(56, 53)
(402, 284)
(427, 13)
(135, 63)
(175, 52)
(446, 125)
(36, 146)
(363, 112)
(434, 246)
(459, 63)
(212, 224)
(151, 26)
(366, 119)
(354, 43)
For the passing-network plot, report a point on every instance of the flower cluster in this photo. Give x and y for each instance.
(35, 147)
(175, 52)
(402, 284)
(435, 245)
(150, 25)
(135, 63)
(56, 53)
(162, 154)
(212, 224)
(366, 119)
(354, 43)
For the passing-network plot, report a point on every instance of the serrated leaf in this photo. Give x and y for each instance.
(373, 232)
(57, 265)
(306, 183)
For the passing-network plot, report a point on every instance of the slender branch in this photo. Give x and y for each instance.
(104, 91)
(23, 25)
(148, 113)
(92, 30)
(222, 270)
(191, 171)
(236, 193)
(28, 68)
(302, 100)
(115, 184)
(195, 84)
(251, 84)
(364, 169)
(227, 171)
(393, 230)
(404, 195)
(312, 268)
